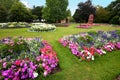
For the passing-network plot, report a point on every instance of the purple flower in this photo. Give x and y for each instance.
(53, 65)
(32, 66)
(23, 76)
(30, 71)
(16, 78)
(13, 66)
(74, 51)
(6, 79)
(24, 69)
(17, 73)
(4, 73)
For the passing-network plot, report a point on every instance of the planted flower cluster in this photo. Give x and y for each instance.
(86, 45)
(42, 27)
(15, 25)
(26, 58)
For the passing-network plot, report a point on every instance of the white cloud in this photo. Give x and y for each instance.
(25, 3)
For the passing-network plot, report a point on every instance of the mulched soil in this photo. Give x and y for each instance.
(57, 69)
(117, 78)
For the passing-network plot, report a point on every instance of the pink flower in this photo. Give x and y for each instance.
(43, 64)
(117, 45)
(29, 39)
(4, 64)
(45, 73)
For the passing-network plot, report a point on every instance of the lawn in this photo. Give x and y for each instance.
(103, 68)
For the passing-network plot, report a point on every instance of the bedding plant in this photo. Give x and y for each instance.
(26, 58)
(87, 44)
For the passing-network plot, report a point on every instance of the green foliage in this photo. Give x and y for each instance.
(19, 13)
(84, 10)
(92, 33)
(55, 10)
(114, 8)
(5, 6)
(68, 13)
(8, 3)
(3, 13)
(37, 11)
(12, 47)
(115, 20)
(102, 15)
(76, 16)
(86, 39)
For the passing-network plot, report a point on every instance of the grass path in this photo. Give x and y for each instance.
(103, 68)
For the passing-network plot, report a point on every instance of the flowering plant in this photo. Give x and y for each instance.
(85, 45)
(31, 58)
(16, 24)
(38, 27)
(20, 70)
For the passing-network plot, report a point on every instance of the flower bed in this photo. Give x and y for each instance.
(62, 24)
(2, 24)
(42, 27)
(26, 58)
(87, 25)
(86, 45)
(16, 25)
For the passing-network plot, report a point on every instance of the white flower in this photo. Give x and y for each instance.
(35, 74)
(92, 57)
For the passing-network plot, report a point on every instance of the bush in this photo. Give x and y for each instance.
(115, 20)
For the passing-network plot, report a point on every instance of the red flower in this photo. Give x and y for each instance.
(27, 59)
(85, 48)
(92, 50)
(17, 63)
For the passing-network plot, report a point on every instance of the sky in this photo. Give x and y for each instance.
(72, 3)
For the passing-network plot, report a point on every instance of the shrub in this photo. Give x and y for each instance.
(115, 20)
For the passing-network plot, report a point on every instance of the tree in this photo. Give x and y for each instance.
(3, 14)
(102, 15)
(19, 12)
(68, 13)
(84, 10)
(5, 6)
(76, 16)
(55, 10)
(8, 3)
(114, 8)
(37, 11)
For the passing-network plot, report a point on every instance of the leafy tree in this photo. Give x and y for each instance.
(3, 14)
(115, 20)
(55, 10)
(19, 12)
(76, 16)
(102, 15)
(8, 3)
(5, 6)
(38, 12)
(114, 8)
(84, 10)
(68, 13)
